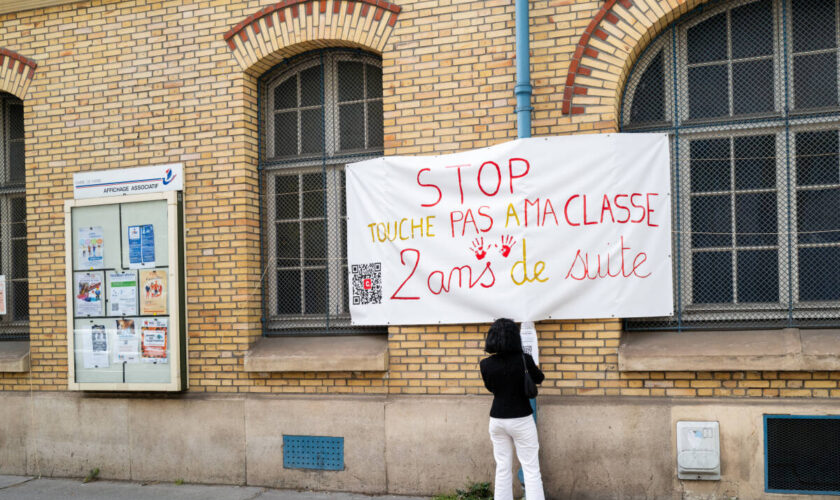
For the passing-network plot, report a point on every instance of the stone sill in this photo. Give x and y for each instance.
(363, 353)
(14, 357)
(7, 6)
(790, 349)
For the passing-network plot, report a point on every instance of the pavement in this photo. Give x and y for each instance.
(41, 488)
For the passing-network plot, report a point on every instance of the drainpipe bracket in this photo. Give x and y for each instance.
(522, 88)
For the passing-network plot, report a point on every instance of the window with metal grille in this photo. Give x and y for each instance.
(14, 325)
(802, 454)
(748, 92)
(319, 112)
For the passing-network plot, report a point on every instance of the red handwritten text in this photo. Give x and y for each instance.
(488, 178)
(599, 267)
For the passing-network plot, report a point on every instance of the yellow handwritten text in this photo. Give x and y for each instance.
(511, 212)
(403, 229)
(539, 267)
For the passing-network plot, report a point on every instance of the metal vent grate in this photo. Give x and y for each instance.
(313, 452)
(802, 454)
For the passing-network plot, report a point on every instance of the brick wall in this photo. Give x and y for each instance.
(126, 84)
(130, 83)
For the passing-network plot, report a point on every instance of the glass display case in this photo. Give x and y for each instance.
(125, 294)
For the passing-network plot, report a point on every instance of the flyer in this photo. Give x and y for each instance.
(91, 248)
(141, 246)
(127, 348)
(153, 335)
(153, 291)
(122, 293)
(95, 347)
(2, 295)
(89, 293)
(528, 334)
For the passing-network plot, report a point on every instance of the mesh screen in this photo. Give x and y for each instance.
(13, 238)
(802, 454)
(748, 92)
(320, 112)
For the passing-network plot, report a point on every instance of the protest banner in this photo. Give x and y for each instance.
(554, 227)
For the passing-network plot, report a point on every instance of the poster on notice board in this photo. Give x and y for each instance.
(153, 292)
(95, 347)
(153, 334)
(89, 293)
(91, 247)
(141, 246)
(122, 293)
(127, 348)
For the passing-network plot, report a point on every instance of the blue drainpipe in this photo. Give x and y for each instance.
(523, 84)
(523, 71)
(522, 90)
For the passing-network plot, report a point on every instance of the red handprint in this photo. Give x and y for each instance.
(507, 244)
(478, 248)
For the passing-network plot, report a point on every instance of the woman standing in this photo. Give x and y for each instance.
(511, 423)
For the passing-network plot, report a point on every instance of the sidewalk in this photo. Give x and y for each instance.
(30, 488)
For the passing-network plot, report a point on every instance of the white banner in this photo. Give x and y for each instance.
(553, 227)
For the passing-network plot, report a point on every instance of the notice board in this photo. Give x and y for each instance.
(125, 297)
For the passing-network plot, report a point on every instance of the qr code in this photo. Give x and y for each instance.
(367, 283)
(526, 349)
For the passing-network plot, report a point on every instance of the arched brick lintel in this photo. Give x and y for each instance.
(16, 73)
(608, 48)
(293, 26)
(582, 49)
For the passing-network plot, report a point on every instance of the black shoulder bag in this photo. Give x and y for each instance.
(530, 386)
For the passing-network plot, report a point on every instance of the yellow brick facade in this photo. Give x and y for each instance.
(126, 83)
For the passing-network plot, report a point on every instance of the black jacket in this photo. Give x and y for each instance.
(504, 376)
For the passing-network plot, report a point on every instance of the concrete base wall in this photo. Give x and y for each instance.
(590, 449)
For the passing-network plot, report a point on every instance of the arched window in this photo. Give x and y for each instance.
(13, 240)
(319, 112)
(748, 92)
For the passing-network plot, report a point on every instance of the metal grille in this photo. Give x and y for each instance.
(318, 113)
(313, 452)
(748, 92)
(13, 239)
(802, 454)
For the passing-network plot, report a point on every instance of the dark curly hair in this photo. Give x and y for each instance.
(503, 337)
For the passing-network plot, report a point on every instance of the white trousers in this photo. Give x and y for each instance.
(521, 433)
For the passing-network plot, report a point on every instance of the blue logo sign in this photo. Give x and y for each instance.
(168, 177)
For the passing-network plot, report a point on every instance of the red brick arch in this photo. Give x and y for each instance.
(292, 26)
(16, 72)
(609, 47)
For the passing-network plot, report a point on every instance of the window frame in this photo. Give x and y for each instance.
(644, 61)
(333, 255)
(11, 327)
(683, 66)
(749, 310)
(794, 111)
(329, 163)
(784, 123)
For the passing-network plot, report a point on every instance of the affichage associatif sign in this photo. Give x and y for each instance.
(118, 182)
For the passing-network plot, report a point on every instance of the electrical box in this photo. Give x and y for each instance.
(698, 450)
